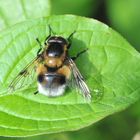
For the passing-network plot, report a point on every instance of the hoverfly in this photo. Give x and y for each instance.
(54, 68)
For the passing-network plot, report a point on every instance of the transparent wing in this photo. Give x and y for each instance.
(78, 80)
(24, 77)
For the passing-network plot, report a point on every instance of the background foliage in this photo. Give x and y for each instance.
(122, 15)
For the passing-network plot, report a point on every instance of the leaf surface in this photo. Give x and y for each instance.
(111, 68)
(12, 12)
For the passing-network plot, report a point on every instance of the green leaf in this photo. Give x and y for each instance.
(74, 7)
(125, 17)
(111, 68)
(20, 10)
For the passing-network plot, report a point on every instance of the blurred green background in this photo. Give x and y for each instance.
(124, 17)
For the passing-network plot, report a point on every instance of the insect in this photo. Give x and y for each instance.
(54, 68)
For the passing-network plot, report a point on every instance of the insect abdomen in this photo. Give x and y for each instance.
(51, 84)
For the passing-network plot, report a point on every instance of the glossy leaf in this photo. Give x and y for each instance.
(111, 68)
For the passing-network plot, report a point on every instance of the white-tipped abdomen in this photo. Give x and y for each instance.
(58, 91)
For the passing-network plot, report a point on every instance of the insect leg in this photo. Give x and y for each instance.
(78, 54)
(35, 92)
(38, 41)
(50, 32)
(70, 38)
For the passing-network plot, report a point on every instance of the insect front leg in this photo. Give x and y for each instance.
(78, 54)
(50, 33)
(70, 39)
(41, 47)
